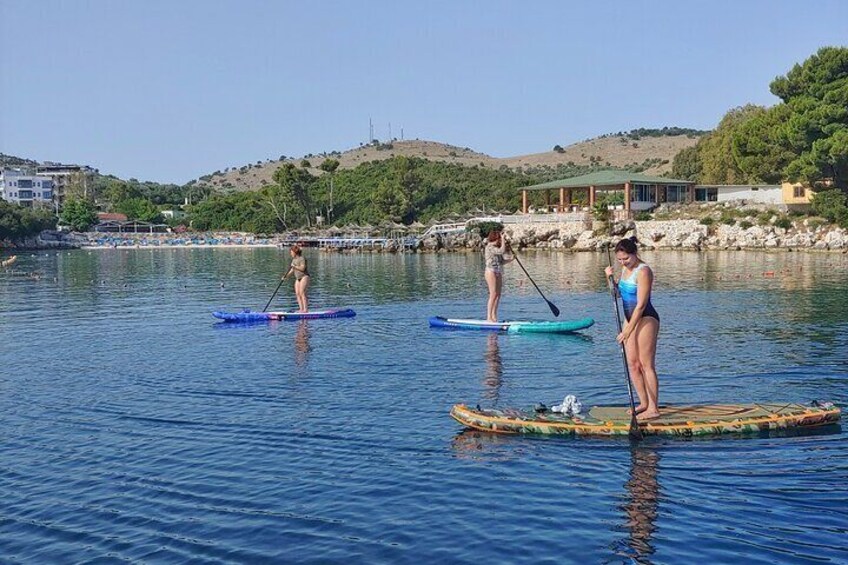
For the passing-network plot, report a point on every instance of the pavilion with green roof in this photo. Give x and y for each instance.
(641, 192)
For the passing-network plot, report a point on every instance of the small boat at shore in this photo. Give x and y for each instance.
(512, 327)
(680, 421)
(249, 316)
(8, 262)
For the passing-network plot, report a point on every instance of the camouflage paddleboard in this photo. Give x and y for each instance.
(692, 420)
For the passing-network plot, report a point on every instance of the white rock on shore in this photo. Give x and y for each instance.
(658, 234)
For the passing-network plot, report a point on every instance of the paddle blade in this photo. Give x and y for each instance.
(554, 309)
(635, 433)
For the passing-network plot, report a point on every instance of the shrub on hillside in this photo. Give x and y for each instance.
(831, 205)
(783, 222)
(17, 222)
(727, 219)
(79, 213)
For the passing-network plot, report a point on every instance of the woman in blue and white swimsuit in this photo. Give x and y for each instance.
(496, 247)
(639, 334)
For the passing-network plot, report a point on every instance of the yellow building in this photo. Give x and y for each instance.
(796, 194)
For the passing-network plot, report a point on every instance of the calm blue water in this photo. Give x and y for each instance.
(135, 428)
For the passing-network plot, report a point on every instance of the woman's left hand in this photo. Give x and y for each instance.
(624, 335)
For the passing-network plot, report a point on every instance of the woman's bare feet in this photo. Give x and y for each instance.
(639, 410)
(647, 415)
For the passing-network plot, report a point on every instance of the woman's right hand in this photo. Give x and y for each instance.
(608, 271)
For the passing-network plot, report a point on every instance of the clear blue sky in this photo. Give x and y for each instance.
(169, 90)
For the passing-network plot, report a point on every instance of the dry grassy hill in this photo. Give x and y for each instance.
(613, 151)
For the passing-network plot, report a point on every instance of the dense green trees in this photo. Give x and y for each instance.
(17, 222)
(712, 160)
(329, 166)
(112, 191)
(239, 211)
(804, 138)
(291, 197)
(832, 204)
(408, 189)
(687, 164)
(79, 213)
(666, 131)
(757, 150)
(139, 209)
(400, 189)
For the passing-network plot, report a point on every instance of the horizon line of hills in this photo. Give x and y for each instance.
(441, 151)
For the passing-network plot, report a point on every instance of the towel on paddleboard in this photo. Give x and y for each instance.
(570, 406)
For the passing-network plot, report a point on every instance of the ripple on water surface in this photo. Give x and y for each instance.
(138, 428)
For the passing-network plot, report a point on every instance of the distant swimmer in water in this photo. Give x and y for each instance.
(639, 334)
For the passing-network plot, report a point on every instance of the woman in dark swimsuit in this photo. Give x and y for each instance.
(639, 334)
(301, 277)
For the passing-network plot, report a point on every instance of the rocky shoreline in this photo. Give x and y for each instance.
(653, 234)
(686, 234)
(804, 234)
(47, 239)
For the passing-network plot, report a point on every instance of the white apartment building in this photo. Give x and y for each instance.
(25, 189)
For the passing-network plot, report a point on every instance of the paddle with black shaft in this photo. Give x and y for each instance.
(276, 290)
(635, 432)
(551, 305)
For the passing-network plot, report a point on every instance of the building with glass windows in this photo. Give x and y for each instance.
(63, 176)
(759, 193)
(632, 192)
(25, 189)
(635, 191)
